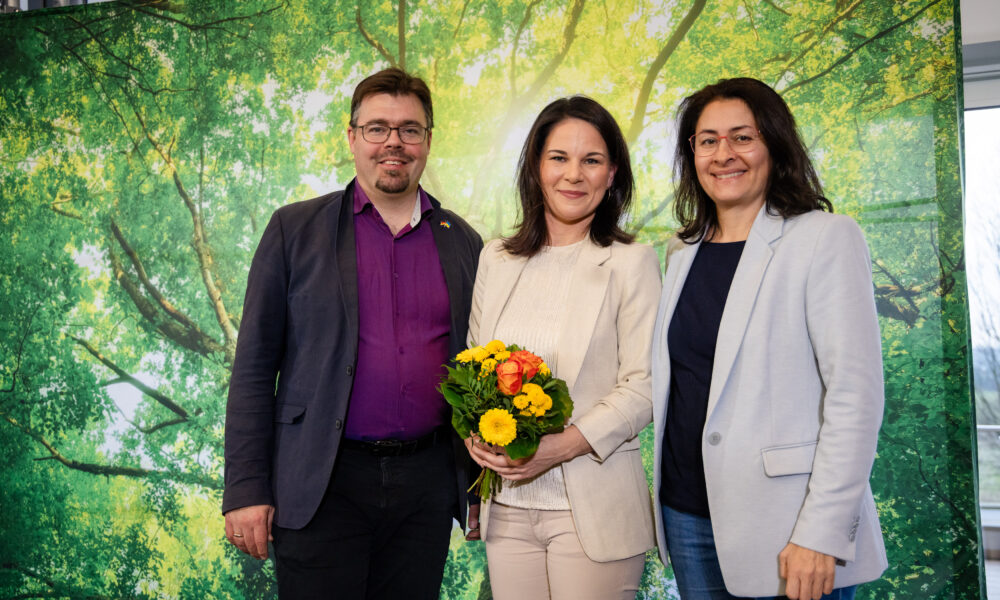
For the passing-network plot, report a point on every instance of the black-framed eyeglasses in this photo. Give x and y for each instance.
(377, 133)
(741, 140)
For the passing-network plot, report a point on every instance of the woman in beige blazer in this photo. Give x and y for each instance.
(575, 519)
(767, 367)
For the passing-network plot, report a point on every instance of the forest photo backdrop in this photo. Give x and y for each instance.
(144, 143)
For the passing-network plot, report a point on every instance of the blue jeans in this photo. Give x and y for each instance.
(691, 546)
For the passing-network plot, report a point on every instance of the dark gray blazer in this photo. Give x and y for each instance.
(297, 351)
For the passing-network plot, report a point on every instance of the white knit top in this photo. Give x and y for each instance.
(531, 319)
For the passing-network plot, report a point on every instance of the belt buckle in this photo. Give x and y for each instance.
(386, 447)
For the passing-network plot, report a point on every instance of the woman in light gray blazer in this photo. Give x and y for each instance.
(767, 369)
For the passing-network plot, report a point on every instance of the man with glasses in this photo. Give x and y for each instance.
(335, 430)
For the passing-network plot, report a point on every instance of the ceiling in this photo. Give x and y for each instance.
(980, 21)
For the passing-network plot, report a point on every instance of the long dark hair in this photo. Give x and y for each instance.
(793, 187)
(532, 233)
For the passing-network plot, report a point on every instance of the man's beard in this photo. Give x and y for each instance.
(393, 184)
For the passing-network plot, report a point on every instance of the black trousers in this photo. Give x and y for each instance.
(381, 531)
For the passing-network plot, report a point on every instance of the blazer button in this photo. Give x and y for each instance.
(338, 423)
(350, 370)
(715, 438)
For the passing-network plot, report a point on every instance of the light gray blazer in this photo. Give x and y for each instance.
(794, 405)
(603, 354)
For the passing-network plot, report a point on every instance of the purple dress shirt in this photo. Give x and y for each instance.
(404, 324)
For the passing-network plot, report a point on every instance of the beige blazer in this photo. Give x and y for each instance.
(795, 402)
(603, 354)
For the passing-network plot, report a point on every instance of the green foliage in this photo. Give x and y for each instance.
(144, 144)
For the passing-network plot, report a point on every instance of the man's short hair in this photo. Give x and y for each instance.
(395, 82)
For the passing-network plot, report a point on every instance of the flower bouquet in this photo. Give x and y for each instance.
(509, 398)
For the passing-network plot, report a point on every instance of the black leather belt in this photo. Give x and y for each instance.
(396, 447)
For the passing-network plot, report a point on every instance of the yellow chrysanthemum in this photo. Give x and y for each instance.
(526, 412)
(495, 346)
(532, 389)
(502, 355)
(486, 369)
(520, 401)
(543, 369)
(537, 401)
(498, 427)
(465, 356)
(479, 353)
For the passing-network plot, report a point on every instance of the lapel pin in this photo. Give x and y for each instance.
(446, 224)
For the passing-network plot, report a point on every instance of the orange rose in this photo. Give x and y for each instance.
(509, 377)
(528, 361)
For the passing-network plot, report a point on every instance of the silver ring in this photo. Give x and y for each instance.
(237, 535)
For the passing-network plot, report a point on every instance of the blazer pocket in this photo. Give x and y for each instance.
(288, 413)
(790, 459)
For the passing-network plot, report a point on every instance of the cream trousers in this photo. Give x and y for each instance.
(536, 555)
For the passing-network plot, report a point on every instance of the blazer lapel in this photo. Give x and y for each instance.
(448, 253)
(341, 226)
(742, 297)
(587, 289)
(678, 266)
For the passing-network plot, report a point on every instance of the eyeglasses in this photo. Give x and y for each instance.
(741, 140)
(377, 133)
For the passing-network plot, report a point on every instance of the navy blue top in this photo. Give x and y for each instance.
(691, 339)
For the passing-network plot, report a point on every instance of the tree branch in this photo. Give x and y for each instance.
(20, 350)
(141, 8)
(753, 25)
(933, 487)
(200, 242)
(857, 48)
(401, 33)
(162, 425)
(29, 573)
(167, 306)
(517, 42)
(56, 590)
(112, 470)
(127, 81)
(819, 38)
(371, 41)
(642, 100)
(898, 290)
(461, 19)
(636, 226)
(569, 35)
(776, 7)
(148, 310)
(205, 261)
(132, 380)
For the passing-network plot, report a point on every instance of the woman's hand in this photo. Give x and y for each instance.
(553, 448)
(809, 574)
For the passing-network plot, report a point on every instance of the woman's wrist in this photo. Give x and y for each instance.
(574, 443)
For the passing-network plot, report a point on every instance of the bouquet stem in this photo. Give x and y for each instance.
(489, 483)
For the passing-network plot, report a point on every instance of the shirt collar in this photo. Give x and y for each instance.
(420, 208)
